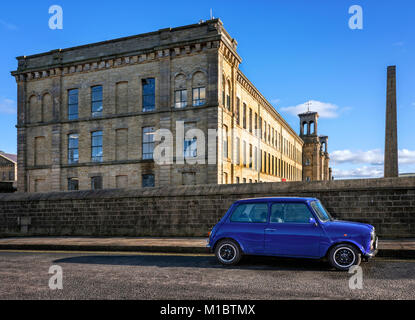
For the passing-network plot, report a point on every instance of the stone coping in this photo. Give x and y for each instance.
(271, 189)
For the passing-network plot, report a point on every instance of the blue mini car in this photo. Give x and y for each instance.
(290, 227)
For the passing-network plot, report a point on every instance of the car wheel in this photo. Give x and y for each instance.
(228, 252)
(344, 256)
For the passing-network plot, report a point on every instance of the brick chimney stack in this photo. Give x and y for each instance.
(391, 134)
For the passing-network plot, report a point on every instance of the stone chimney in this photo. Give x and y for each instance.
(391, 134)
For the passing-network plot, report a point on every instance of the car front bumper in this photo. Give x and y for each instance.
(374, 252)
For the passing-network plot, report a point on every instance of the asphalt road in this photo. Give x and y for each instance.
(24, 275)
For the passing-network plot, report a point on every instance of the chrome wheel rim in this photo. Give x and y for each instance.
(227, 252)
(344, 257)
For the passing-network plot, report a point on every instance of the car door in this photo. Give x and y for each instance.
(290, 233)
(247, 224)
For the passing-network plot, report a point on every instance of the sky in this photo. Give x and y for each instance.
(293, 52)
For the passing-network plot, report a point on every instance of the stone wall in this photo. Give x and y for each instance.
(388, 204)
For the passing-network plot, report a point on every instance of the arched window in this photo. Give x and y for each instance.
(34, 113)
(47, 108)
(305, 128)
(228, 95)
(199, 89)
(180, 93)
(312, 128)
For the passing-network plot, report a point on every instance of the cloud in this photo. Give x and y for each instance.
(7, 25)
(406, 156)
(275, 101)
(324, 109)
(356, 173)
(7, 106)
(373, 157)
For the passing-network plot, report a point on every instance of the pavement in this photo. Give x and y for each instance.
(402, 248)
(183, 276)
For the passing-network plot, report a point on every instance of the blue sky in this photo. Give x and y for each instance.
(293, 51)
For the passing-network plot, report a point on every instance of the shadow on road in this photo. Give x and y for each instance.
(210, 262)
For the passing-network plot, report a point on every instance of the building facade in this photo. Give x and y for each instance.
(8, 167)
(88, 115)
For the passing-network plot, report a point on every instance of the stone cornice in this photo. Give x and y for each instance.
(120, 60)
(253, 91)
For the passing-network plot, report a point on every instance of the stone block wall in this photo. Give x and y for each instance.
(388, 204)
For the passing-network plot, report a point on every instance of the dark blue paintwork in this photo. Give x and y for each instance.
(301, 240)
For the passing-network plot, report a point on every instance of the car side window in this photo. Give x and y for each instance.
(250, 212)
(290, 213)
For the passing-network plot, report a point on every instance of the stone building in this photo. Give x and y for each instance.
(87, 115)
(315, 150)
(8, 167)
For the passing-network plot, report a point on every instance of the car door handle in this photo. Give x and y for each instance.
(270, 230)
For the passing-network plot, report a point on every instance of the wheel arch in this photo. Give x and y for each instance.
(228, 238)
(350, 242)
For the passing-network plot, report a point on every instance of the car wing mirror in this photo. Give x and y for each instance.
(313, 221)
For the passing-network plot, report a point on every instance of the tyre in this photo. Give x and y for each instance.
(344, 256)
(228, 252)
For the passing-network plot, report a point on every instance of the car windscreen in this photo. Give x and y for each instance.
(321, 212)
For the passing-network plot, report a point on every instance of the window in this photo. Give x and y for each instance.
(321, 212)
(237, 180)
(228, 96)
(244, 116)
(149, 94)
(256, 124)
(190, 148)
(244, 154)
(96, 101)
(180, 98)
(148, 181)
(256, 159)
(73, 184)
(290, 213)
(73, 104)
(73, 152)
(225, 178)
(244, 180)
(225, 142)
(96, 183)
(238, 151)
(250, 212)
(307, 162)
(265, 131)
(11, 175)
(199, 96)
(250, 156)
(96, 146)
(250, 120)
(238, 102)
(148, 143)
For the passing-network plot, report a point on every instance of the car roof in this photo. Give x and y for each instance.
(287, 199)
